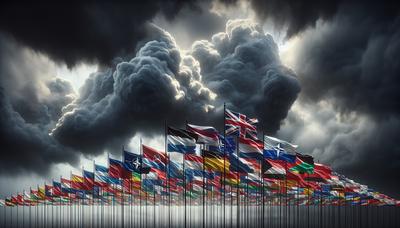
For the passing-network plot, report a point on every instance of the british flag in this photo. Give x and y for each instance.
(239, 124)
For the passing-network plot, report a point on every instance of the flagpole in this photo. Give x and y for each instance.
(168, 175)
(204, 216)
(238, 184)
(262, 181)
(224, 177)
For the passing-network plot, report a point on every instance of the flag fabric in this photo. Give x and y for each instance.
(77, 182)
(66, 186)
(240, 165)
(303, 164)
(214, 162)
(249, 148)
(175, 170)
(134, 163)
(154, 158)
(88, 179)
(116, 168)
(278, 149)
(322, 173)
(181, 141)
(239, 124)
(101, 175)
(193, 162)
(205, 134)
(57, 190)
(274, 169)
(227, 145)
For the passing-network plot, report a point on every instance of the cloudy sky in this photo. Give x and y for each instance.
(78, 80)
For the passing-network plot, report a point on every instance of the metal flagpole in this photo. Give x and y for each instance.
(123, 192)
(168, 179)
(204, 216)
(224, 177)
(238, 185)
(61, 193)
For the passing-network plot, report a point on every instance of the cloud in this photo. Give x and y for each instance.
(155, 86)
(242, 66)
(348, 70)
(31, 100)
(161, 83)
(73, 32)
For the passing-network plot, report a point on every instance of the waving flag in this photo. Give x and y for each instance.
(88, 179)
(193, 162)
(249, 148)
(57, 190)
(101, 176)
(303, 164)
(228, 144)
(205, 134)
(181, 141)
(116, 169)
(134, 163)
(215, 162)
(274, 169)
(322, 173)
(240, 125)
(154, 158)
(77, 182)
(240, 165)
(277, 149)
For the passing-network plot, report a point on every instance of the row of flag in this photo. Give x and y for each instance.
(235, 165)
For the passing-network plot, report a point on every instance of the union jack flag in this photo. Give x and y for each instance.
(239, 124)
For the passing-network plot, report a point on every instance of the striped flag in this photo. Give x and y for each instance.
(101, 176)
(215, 162)
(205, 134)
(249, 148)
(274, 169)
(181, 141)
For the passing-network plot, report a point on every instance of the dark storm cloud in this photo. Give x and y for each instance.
(242, 66)
(83, 30)
(30, 101)
(155, 86)
(162, 84)
(351, 63)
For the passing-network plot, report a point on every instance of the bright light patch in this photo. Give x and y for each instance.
(77, 75)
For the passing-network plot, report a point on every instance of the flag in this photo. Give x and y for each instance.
(117, 169)
(239, 124)
(240, 165)
(101, 176)
(228, 144)
(66, 186)
(193, 162)
(274, 169)
(48, 190)
(57, 190)
(41, 193)
(249, 148)
(215, 162)
(181, 141)
(88, 179)
(303, 164)
(77, 182)
(154, 158)
(322, 173)
(134, 163)
(175, 170)
(278, 149)
(205, 134)
(9, 202)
